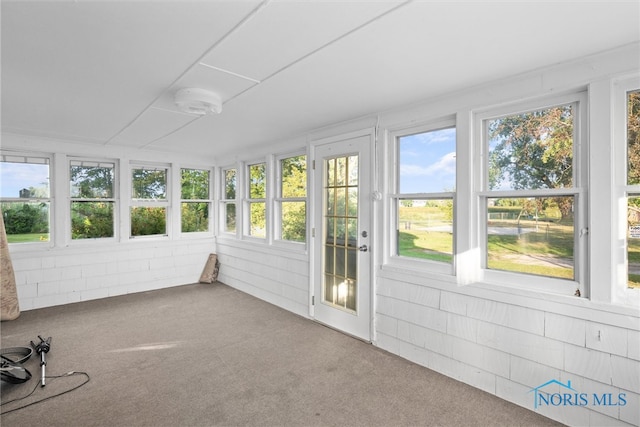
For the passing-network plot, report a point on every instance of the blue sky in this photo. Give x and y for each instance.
(16, 176)
(428, 162)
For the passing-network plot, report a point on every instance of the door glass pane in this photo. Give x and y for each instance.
(340, 201)
(353, 170)
(352, 232)
(341, 230)
(352, 201)
(330, 232)
(352, 264)
(341, 171)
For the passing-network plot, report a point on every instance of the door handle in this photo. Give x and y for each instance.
(363, 248)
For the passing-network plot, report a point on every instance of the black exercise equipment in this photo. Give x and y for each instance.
(42, 348)
(11, 370)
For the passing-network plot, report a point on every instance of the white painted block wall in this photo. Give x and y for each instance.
(272, 274)
(508, 350)
(66, 275)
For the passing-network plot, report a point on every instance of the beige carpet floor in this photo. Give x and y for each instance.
(209, 355)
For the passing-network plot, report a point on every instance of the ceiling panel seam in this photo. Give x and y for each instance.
(172, 132)
(241, 23)
(230, 72)
(324, 46)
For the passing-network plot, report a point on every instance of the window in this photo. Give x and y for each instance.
(149, 201)
(632, 129)
(291, 202)
(425, 188)
(228, 200)
(531, 193)
(196, 200)
(256, 201)
(92, 199)
(25, 198)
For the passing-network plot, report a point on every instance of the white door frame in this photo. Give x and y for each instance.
(316, 221)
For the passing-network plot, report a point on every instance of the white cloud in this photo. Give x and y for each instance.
(446, 165)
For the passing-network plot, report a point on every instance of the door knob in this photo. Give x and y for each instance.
(363, 248)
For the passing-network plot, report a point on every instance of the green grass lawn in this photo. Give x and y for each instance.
(27, 238)
(435, 246)
(634, 258)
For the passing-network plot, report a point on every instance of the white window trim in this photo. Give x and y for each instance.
(53, 234)
(247, 201)
(209, 200)
(223, 202)
(579, 191)
(621, 294)
(115, 199)
(278, 200)
(154, 203)
(391, 258)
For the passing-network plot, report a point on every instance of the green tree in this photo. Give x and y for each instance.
(90, 182)
(258, 190)
(294, 185)
(92, 219)
(149, 183)
(194, 186)
(533, 150)
(633, 137)
(26, 218)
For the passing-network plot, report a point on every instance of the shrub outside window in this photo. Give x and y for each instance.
(256, 201)
(292, 201)
(531, 192)
(195, 200)
(149, 201)
(92, 199)
(25, 198)
(424, 201)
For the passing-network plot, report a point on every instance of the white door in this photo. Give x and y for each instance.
(342, 236)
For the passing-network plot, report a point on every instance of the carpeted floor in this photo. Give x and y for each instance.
(209, 355)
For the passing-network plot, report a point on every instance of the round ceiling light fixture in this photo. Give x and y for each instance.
(198, 101)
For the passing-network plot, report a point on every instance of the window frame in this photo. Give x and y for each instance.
(279, 199)
(209, 200)
(50, 161)
(621, 292)
(579, 286)
(248, 201)
(223, 202)
(394, 197)
(155, 203)
(114, 199)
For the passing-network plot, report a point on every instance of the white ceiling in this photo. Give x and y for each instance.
(105, 72)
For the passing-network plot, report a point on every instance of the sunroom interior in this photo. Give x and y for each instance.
(453, 182)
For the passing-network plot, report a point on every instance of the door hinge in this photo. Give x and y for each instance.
(313, 300)
(313, 164)
(313, 232)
